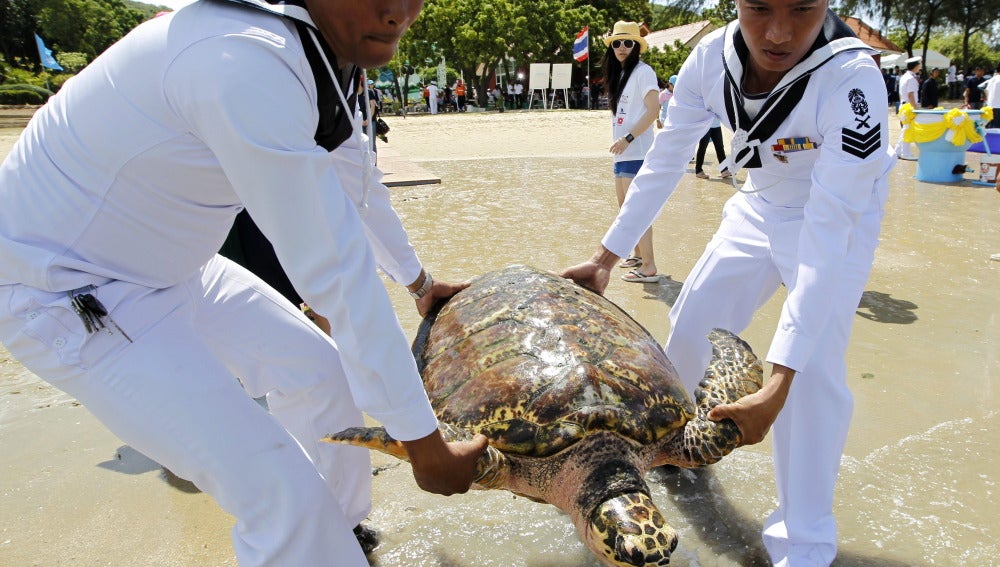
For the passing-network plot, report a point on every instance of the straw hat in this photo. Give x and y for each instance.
(627, 30)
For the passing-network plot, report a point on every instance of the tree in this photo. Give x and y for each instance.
(87, 26)
(971, 16)
(668, 61)
(966, 52)
(675, 13)
(722, 13)
(18, 23)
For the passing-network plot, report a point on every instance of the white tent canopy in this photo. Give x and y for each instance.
(934, 59)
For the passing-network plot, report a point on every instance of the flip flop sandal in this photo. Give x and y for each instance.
(639, 277)
(631, 262)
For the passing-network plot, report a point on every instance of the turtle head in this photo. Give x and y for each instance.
(628, 529)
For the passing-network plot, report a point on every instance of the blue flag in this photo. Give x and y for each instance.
(45, 55)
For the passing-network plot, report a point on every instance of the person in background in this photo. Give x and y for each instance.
(992, 97)
(909, 87)
(433, 97)
(929, 90)
(973, 94)
(952, 80)
(805, 99)
(634, 101)
(113, 203)
(714, 135)
(666, 91)
(460, 94)
(892, 88)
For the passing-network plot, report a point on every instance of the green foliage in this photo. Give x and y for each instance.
(86, 26)
(23, 94)
(57, 80)
(428, 74)
(24, 77)
(20, 97)
(979, 52)
(72, 61)
(676, 13)
(723, 12)
(667, 62)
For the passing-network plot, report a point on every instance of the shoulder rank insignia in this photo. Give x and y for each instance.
(863, 139)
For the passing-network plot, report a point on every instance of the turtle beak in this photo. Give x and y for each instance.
(628, 530)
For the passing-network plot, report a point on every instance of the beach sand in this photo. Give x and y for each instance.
(919, 478)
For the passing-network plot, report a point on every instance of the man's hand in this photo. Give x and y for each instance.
(440, 291)
(754, 414)
(594, 274)
(444, 468)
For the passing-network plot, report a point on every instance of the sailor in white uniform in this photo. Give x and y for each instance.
(806, 103)
(113, 203)
(909, 87)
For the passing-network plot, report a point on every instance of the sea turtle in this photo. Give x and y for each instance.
(578, 401)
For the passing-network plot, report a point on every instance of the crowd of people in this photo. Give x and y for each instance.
(926, 85)
(123, 188)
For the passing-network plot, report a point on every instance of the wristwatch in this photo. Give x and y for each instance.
(629, 137)
(424, 287)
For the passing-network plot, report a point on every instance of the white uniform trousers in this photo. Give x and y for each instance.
(173, 395)
(751, 254)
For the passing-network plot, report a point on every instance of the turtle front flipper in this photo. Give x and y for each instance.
(734, 372)
(491, 469)
(629, 530)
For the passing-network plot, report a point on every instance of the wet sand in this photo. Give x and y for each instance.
(919, 478)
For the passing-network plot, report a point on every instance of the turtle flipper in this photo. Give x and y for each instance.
(374, 438)
(491, 469)
(734, 372)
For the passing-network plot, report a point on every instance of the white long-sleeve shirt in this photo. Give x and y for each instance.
(135, 170)
(841, 111)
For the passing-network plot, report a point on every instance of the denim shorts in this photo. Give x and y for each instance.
(627, 168)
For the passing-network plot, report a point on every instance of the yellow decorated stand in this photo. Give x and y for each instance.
(942, 137)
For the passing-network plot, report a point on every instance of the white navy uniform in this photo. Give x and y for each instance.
(808, 216)
(125, 185)
(907, 85)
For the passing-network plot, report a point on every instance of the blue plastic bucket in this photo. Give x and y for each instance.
(940, 158)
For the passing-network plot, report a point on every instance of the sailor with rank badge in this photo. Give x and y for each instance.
(805, 101)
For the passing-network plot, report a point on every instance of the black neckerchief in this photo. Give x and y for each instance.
(335, 125)
(835, 37)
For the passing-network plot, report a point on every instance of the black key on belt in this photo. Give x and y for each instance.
(92, 312)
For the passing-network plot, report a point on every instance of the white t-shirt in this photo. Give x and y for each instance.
(992, 93)
(631, 107)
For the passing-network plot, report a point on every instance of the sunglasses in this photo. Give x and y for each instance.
(628, 43)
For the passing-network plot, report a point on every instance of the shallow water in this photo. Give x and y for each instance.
(918, 481)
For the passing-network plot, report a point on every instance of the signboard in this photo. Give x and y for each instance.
(538, 78)
(562, 75)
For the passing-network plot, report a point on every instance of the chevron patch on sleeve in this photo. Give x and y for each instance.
(862, 145)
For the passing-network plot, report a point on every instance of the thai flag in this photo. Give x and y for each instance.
(581, 46)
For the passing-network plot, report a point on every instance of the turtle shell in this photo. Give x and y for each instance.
(536, 363)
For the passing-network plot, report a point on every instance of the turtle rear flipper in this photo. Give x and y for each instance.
(491, 468)
(734, 372)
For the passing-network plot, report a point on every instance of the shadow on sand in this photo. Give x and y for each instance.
(723, 528)
(129, 461)
(882, 308)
